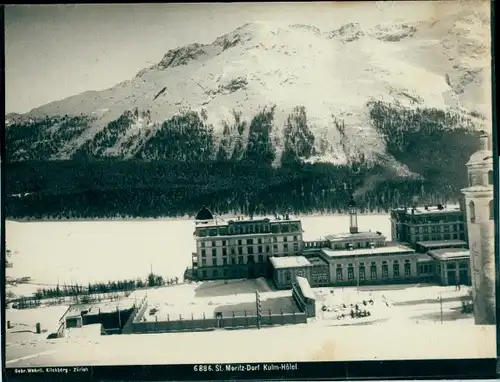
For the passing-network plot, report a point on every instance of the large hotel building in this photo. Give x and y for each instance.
(427, 244)
(241, 248)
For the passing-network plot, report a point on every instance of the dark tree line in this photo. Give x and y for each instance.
(189, 169)
(83, 294)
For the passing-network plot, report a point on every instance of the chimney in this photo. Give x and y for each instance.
(483, 141)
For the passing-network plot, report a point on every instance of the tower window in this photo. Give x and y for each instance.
(492, 210)
(490, 177)
(472, 212)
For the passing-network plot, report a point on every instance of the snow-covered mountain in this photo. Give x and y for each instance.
(442, 64)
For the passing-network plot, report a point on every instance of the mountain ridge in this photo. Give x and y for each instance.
(334, 75)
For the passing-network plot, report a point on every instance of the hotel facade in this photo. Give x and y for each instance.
(241, 248)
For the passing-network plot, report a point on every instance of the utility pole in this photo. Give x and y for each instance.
(259, 308)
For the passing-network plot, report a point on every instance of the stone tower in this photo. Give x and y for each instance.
(479, 204)
(353, 216)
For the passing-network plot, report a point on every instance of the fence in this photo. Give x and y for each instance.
(207, 324)
(138, 311)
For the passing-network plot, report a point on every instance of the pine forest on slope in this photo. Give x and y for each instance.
(266, 119)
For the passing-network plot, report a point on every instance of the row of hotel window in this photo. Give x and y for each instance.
(439, 229)
(446, 236)
(339, 274)
(472, 211)
(358, 244)
(250, 250)
(225, 243)
(318, 277)
(249, 229)
(234, 260)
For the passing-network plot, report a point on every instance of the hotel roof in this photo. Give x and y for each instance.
(430, 209)
(449, 253)
(439, 243)
(390, 249)
(225, 222)
(359, 236)
(424, 258)
(289, 262)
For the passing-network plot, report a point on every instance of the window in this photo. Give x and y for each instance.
(249, 250)
(233, 252)
(203, 261)
(275, 239)
(249, 241)
(268, 249)
(202, 244)
(407, 269)
(240, 251)
(472, 212)
(259, 248)
(373, 271)
(233, 260)
(203, 253)
(224, 261)
(204, 273)
(261, 259)
(492, 210)
(214, 244)
(350, 272)
(285, 247)
(490, 177)
(385, 269)
(214, 252)
(224, 251)
(240, 259)
(395, 269)
(216, 273)
(239, 242)
(295, 238)
(275, 247)
(362, 274)
(296, 247)
(259, 241)
(285, 239)
(288, 276)
(250, 260)
(339, 273)
(224, 243)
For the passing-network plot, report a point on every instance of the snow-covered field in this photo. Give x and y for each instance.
(82, 252)
(196, 300)
(410, 327)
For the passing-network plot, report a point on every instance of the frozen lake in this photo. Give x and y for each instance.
(84, 251)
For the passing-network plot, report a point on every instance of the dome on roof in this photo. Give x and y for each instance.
(484, 155)
(204, 214)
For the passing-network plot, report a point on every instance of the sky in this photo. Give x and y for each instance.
(56, 51)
